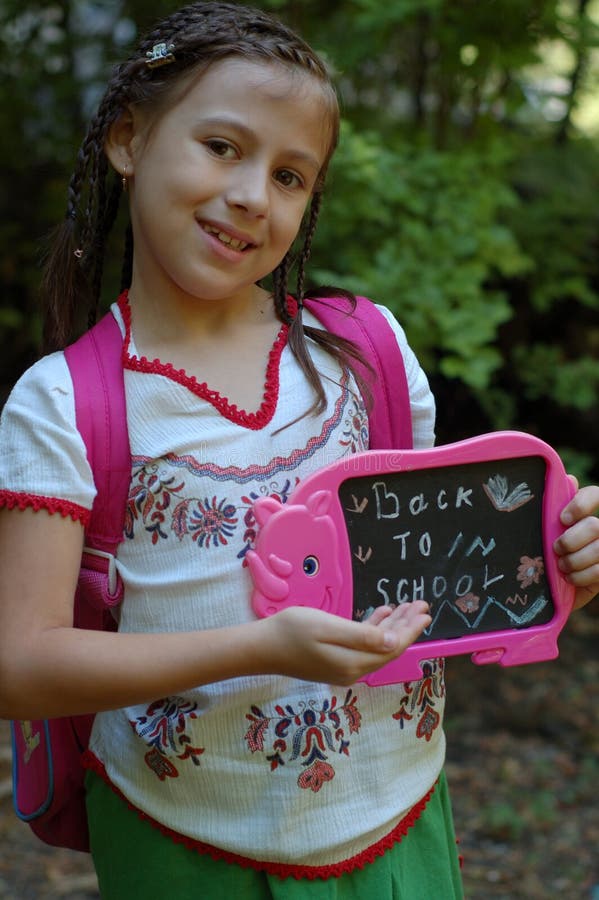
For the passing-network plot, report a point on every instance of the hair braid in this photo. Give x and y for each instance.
(127, 264)
(297, 331)
(313, 215)
(108, 207)
(202, 34)
(280, 278)
(73, 273)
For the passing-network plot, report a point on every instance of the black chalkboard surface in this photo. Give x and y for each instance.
(468, 527)
(465, 538)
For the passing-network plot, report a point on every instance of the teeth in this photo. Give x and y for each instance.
(226, 238)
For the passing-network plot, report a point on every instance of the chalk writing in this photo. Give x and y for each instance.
(465, 538)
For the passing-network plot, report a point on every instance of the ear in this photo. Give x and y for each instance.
(120, 142)
(265, 508)
(318, 504)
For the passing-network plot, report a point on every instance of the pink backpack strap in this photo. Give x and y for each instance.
(48, 780)
(390, 422)
(95, 363)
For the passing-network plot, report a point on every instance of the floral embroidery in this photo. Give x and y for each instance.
(249, 520)
(154, 494)
(163, 730)
(156, 501)
(355, 428)
(150, 497)
(311, 733)
(420, 698)
(160, 765)
(208, 521)
(315, 776)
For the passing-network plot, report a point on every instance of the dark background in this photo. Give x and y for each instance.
(463, 195)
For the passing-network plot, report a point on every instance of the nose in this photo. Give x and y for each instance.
(249, 190)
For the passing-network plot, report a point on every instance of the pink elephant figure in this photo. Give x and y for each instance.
(295, 562)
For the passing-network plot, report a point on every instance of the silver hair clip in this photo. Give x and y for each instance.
(160, 55)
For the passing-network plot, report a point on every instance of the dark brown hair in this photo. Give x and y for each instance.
(200, 34)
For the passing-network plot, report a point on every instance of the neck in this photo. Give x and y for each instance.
(181, 317)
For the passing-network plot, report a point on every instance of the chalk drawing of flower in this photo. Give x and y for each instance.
(530, 570)
(469, 603)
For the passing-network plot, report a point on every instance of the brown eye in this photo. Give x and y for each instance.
(222, 149)
(288, 178)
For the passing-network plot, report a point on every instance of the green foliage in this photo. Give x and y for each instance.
(461, 195)
(423, 234)
(559, 186)
(545, 372)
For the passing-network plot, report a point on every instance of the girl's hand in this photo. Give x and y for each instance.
(578, 546)
(317, 646)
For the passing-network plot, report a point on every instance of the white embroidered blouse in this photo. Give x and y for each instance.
(294, 777)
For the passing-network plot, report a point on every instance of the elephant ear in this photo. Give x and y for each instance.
(265, 508)
(319, 503)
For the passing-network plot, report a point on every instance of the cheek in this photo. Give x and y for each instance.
(291, 223)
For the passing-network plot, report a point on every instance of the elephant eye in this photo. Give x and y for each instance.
(311, 565)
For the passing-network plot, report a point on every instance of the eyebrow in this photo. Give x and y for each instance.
(250, 134)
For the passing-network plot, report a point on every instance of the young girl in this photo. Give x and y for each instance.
(226, 758)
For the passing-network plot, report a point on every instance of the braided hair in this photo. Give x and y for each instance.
(198, 35)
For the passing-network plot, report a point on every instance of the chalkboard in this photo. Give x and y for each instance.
(468, 527)
(467, 539)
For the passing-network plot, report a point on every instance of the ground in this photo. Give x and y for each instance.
(523, 768)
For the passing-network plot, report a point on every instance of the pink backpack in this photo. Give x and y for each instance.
(48, 779)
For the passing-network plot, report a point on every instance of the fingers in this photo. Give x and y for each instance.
(386, 633)
(389, 615)
(380, 614)
(319, 646)
(585, 502)
(578, 547)
(405, 625)
(578, 537)
(409, 609)
(397, 629)
(360, 648)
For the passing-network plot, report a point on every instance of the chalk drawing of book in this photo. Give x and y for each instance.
(505, 498)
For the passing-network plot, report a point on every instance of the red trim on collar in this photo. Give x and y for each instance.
(283, 870)
(254, 421)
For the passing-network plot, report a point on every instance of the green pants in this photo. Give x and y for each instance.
(134, 859)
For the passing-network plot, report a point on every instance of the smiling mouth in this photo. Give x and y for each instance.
(226, 239)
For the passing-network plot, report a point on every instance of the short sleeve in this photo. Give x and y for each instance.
(43, 463)
(422, 401)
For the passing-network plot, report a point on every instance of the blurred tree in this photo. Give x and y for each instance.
(52, 64)
(463, 193)
(464, 198)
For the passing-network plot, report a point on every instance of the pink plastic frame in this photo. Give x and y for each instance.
(303, 523)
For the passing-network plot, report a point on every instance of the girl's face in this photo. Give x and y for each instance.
(220, 182)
